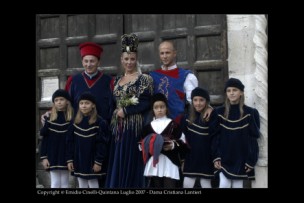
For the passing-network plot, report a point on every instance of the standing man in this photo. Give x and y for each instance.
(92, 80)
(174, 82)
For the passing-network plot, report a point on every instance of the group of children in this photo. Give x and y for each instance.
(224, 145)
(77, 144)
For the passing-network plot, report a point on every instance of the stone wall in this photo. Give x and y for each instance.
(247, 61)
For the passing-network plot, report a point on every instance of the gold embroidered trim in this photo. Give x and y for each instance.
(86, 129)
(90, 174)
(58, 131)
(198, 125)
(233, 121)
(58, 123)
(234, 174)
(197, 132)
(185, 173)
(85, 135)
(236, 128)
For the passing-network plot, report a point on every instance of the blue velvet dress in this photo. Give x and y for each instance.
(199, 136)
(86, 146)
(236, 143)
(53, 145)
(125, 160)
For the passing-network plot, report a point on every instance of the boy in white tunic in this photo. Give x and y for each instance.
(162, 143)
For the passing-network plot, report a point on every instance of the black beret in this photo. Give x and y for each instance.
(200, 92)
(61, 93)
(87, 96)
(159, 97)
(233, 82)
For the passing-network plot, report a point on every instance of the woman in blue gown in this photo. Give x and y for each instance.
(132, 93)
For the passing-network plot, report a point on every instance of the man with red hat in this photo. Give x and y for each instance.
(92, 80)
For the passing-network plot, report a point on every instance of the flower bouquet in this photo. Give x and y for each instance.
(127, 101)
(124, 101)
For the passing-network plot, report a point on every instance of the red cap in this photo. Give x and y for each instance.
(90, 48)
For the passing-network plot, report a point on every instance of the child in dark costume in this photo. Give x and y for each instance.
(199, 133)
(236, 146)
(87, 144)
(54, 133)
(162, 142)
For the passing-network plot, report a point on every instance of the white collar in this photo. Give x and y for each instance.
(169, 68)
(164, 118)
(91, 75)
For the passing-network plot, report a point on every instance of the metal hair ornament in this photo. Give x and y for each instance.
(129, 43)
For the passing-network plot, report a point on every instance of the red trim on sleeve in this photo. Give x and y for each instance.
(68, 83)
(112, 83)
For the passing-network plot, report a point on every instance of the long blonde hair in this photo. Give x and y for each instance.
(228, 105)
(68, 113)
(93, 116)
(192, 114)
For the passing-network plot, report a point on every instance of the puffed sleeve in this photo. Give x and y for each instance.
(255, 124)
(101, 142)
(214, 130)
(190, 83)
(44, 129)
(254, 134)
(70, 145)
(44, 132)
(146, 91)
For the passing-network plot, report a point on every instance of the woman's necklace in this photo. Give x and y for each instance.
(131, 74)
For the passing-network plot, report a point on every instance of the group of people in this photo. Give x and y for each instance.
(112, 137)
